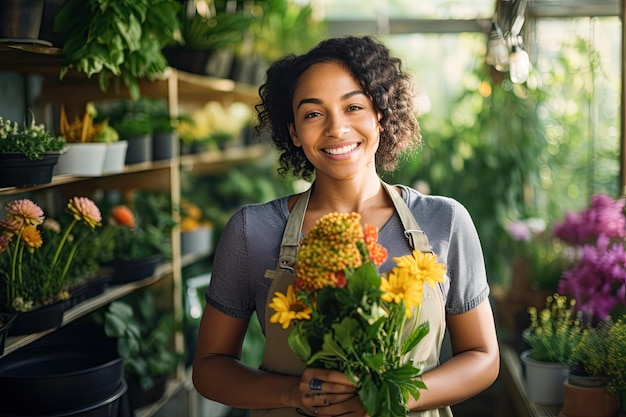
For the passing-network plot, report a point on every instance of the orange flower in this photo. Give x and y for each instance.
(32, 237)
(123, 215)
(24, 211)
(377, 252)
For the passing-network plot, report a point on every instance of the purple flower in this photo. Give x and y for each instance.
(598, 280)
(605, 216)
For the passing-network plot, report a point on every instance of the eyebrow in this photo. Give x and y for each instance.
(318, 101)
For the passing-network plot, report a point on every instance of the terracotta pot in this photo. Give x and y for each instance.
(581, 401)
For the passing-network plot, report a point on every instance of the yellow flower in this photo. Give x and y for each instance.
(423, 266)
(24, 211)
(32, 237)
(85, 210)
(398, 286)
(288, 308)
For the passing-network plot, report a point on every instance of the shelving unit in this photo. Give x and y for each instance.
(183, 92)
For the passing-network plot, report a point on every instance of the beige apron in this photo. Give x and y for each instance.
(279, 358)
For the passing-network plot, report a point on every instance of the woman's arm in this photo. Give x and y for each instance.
(219, 374)
(474, 366)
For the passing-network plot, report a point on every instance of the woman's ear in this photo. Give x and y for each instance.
(294, 135)
(380, 117)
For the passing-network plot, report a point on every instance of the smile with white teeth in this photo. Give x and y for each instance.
(342, 150)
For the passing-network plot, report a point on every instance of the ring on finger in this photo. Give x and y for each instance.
(315, 384)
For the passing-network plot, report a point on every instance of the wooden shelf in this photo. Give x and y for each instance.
(183, 92)
(110, 294)
(514, 380)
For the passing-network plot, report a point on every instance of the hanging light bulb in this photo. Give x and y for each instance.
(519, 65)
(497, 51)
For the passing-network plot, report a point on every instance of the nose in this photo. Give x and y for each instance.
(336, 125)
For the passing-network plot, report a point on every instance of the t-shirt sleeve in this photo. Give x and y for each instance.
(466, 266)
(228, 290)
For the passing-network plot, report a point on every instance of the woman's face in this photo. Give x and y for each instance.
(335, 122)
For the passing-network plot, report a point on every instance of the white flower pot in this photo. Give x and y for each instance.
(197, 241)
(115, 157)
(82, 159)
(544, 380)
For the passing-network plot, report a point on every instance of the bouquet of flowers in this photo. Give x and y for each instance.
(348, 317)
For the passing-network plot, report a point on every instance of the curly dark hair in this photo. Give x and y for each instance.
(380, 75)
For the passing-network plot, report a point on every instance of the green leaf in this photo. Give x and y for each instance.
(369, 394)
(415, 337)
(299, 344)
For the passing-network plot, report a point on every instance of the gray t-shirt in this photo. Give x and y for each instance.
(250, 244)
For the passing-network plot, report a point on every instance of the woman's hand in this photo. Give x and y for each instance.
(328, 393)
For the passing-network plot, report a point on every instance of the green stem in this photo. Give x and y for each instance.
(60, 246)
(66, 267)
(14, 261)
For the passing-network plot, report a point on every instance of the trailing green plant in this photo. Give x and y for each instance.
(143, 337)
(32, 140)
(119, 39)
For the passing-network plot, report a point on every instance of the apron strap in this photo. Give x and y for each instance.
(412, 231)
(291, 236)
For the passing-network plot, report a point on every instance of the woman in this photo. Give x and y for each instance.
(339, 114)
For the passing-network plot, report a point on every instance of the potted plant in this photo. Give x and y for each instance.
(36, 258)
(93, 147)
(596, 385)
(553, 335)
(143, 341)
(209, 37)
(119, 40)
(137, 239)
(28, 153)
(195, 230)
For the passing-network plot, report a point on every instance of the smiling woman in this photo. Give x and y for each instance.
(341, 113)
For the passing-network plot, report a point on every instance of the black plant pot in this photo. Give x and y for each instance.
(6, 321)
(16, 170)
(134, 270)
(69, 372)
(164, 145)
(139, 150)
(20, 20)
(38, 320)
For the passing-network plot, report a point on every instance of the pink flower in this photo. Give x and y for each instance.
(85, 210)
(24, 210)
